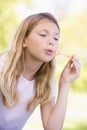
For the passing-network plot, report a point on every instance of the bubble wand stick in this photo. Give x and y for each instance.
(61, 53)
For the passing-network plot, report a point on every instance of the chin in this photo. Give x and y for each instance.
(48, 60)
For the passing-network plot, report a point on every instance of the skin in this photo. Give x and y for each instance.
(44, 37)
(40, 46)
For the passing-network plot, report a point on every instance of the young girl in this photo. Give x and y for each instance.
(27, 75)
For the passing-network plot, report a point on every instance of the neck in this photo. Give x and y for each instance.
(30, 68)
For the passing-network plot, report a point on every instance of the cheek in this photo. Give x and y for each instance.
(34, 45)
(56, 47)
(35, 41)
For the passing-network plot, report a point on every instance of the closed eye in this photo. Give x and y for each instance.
(56, 39)
(43, 35)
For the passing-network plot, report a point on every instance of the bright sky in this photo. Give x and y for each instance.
(77, 5)
(57, 7)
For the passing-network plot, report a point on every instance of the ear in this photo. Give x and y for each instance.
(24, 43)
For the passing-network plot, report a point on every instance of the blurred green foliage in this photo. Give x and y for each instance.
(9, 19)
(80, 126)
(73, 34)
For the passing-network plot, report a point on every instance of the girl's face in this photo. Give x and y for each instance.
(42, 42)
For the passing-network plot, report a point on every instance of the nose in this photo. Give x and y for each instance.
(51, 42)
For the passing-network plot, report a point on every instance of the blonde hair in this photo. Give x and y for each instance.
(14, 65)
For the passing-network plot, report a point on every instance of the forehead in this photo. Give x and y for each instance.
(46, 24)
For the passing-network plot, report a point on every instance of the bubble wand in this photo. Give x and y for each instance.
(62, 53)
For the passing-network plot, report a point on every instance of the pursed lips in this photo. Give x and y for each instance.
(49, 51)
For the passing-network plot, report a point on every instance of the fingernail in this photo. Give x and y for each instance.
(71, 58)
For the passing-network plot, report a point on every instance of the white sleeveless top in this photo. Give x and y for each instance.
(15, 118)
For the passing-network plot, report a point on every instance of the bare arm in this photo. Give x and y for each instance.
(53, 114)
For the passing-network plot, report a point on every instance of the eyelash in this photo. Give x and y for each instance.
(44, 35)
(55, 39)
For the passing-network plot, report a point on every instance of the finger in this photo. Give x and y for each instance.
(76, 59)
(76, 66)
(68, 67)
(69, 63)
(76, 62)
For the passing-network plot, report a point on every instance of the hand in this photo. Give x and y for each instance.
(71, 71)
